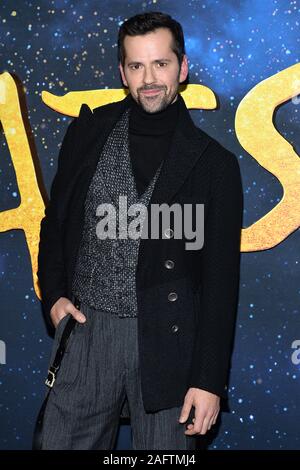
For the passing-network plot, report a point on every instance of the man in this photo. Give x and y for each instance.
(155, 320)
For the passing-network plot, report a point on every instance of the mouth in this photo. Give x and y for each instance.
(152, 92)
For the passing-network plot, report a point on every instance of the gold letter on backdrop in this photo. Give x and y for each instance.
(27, 216)
(195, 96)
(257, 134)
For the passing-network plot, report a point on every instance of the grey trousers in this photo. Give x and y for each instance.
(100, 368)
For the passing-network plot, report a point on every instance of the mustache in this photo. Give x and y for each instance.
(151, 87)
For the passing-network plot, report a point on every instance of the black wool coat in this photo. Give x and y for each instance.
(185, 339)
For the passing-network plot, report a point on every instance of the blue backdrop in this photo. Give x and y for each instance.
(65, 45)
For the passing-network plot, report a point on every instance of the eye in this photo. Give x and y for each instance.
(162, 64)
(134, 66)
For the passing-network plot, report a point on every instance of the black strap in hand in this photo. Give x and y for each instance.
(54, 368)
(52, 374)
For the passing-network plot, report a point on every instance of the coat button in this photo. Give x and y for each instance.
(172, 296)
(168, 233)
(169, 264)
(175, 328)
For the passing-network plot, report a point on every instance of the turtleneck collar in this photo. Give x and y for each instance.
(160, 123)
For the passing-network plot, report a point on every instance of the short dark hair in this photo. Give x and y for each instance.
(148, 22)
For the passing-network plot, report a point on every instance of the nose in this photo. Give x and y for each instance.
(149, 76)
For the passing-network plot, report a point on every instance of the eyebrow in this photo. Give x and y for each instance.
(154, 61)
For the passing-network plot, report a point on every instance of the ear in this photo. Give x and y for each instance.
(184, 69)
(123, 74)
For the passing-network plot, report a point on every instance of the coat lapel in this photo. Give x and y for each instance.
(187, 146)
(98, 130)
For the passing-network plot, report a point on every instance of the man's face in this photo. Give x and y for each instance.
(151, 70)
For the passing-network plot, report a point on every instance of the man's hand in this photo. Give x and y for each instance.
(61, 308)
(207, 407)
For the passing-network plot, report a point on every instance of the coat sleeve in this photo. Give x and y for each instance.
(51, 271)
(220, 282)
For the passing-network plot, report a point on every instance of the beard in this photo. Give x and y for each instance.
(156, 103)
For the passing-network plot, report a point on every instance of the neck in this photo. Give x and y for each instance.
(157, 123)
